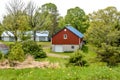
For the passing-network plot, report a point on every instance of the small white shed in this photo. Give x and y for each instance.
(7, 36)
(42, 35)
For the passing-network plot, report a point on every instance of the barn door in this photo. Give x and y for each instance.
(59, 48)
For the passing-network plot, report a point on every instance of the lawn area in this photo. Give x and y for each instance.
(70, 73)
(44, 44)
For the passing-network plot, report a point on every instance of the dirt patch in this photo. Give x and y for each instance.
(28, 63)
(57, 55)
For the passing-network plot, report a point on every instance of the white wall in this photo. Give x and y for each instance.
(66, 47)
(43, 38)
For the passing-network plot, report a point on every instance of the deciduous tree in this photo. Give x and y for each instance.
(51, 22)
(15, 20)
(104, 34)
(77, 18)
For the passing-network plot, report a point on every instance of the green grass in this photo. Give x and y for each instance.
(70, 73)
(7, 43)
(45, 44)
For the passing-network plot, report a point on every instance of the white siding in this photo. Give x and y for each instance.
(41, 38)
(5, 38)
(37, 38)
(58, 48)
(64, 48)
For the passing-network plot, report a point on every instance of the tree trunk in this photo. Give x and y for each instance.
(16, 38)
(34, 35)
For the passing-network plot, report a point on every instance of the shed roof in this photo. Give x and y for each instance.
(75, 31)
(42, 33)
(7, 33)
(38, 33)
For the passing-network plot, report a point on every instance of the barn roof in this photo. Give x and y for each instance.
(75, 31)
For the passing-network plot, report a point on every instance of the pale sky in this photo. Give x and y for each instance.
(63, 5)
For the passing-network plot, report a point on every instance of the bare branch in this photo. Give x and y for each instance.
(31, 8)
(14, 6)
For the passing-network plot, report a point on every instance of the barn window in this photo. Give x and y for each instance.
(72, 47)
(65, 36)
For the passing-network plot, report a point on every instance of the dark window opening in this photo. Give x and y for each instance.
(65, 36)
(72, 47)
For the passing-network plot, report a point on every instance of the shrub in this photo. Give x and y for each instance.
(109, 54)
(16, 53)
(77, 59)
(31, 47)
(40, 53)
(85, 48)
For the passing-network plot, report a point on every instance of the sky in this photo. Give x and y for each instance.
(63, 5)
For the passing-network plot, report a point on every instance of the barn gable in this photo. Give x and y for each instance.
(67, 35)
(67, 39)
(75, 31)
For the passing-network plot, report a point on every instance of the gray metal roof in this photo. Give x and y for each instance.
(38, 33)
(42, 33)
(75, 31)
(7, 33)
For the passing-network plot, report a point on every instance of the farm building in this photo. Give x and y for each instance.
(67, 39)
(7, 36)
(40, 35)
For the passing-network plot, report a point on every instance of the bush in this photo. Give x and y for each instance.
(85, 48)
(77, 59)
(40, 53)
(16, 53)
(31, 47)
(109, 54)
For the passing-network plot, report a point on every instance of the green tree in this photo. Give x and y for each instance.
(77, 18)
(104, 34)
(61, 22)
(51, 22)
(35, 19)
(15, 21)
(21, 24)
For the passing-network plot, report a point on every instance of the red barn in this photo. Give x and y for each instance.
(68, 39)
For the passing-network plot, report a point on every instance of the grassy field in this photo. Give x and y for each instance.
(95, 71)
(71, 73)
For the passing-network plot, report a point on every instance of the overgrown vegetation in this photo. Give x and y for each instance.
(16, 53)
(104, 34)
(32, 48)
(77, 59)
